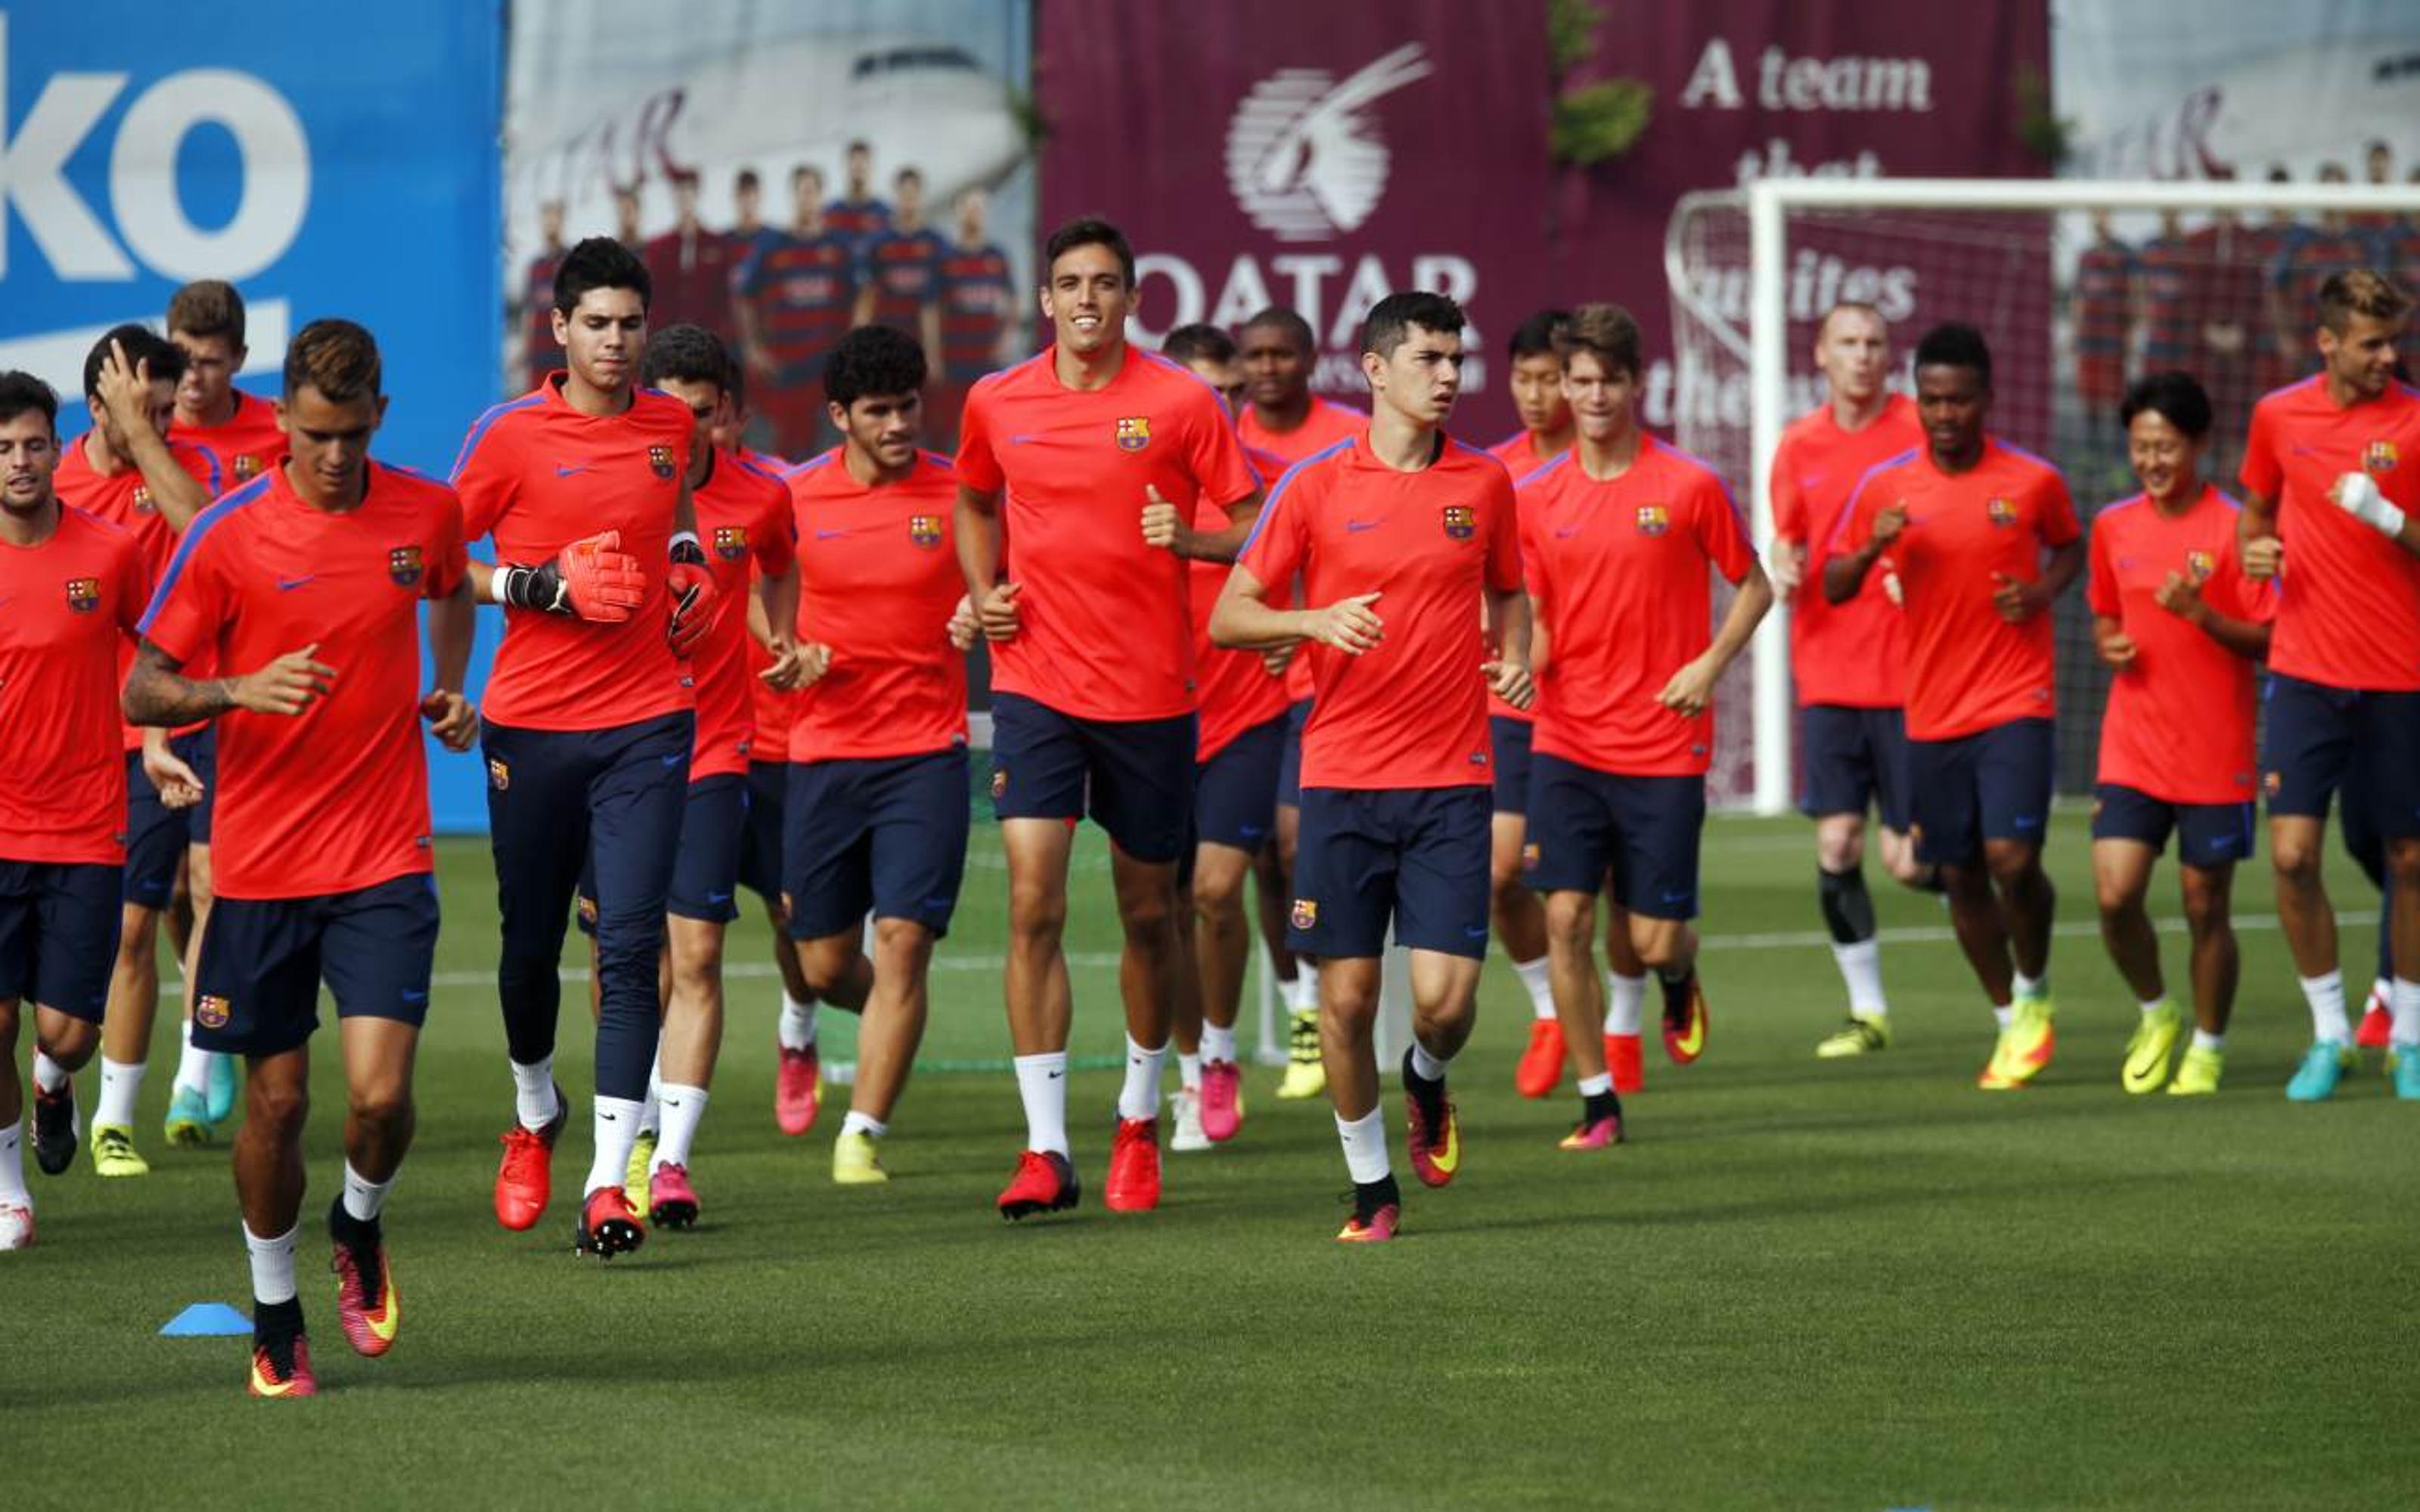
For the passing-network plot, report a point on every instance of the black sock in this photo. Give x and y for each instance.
(276, 1320)
(347, 1229)
(1429, 1094)
(1848, 907)
(1368, 1197)
(1600, 1105)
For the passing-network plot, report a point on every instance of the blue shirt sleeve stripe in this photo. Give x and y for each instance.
(203, 523)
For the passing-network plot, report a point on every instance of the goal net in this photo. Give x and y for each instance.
(2079, 286)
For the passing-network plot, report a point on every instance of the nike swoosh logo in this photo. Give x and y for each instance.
(562, 472)
(822, 535)
(1354, 527)
(1676, 896)
(673, 760)
(1056, 1074)
(1447, 1155)
(1474, 932)
(410, 995)
(262, 1385)
(609, 1118)
(288, 585)
(1564, 533)
(1019, 440)
(718, 897)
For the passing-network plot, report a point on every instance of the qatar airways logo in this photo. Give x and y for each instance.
(1303, 156)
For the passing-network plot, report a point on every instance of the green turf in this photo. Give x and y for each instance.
(1804, 1285)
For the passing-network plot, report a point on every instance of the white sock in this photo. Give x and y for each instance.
(365, 1199)
(121, 1083)
(1427, 1067)
(1188, 1072)
(616, 1124)
(2204, 1040)
(2405, 1005)
(49, 1075)
(1042, 1085)
(2326, 996)
(1596, 1086)
(1861, 967)
(1217, 1044)
(1626, 1003)
(1302, 994)
(650, 1119)
(273, 1264)
(1139, 1099)
(865, 1123)
(1365, 1145)
(193, 1066)
(534, 1099)
(12, 1166)
(2152, 1005)
(796, 1027)
(2031, 987)
(1541, 992)
(682, 1108)
(2382, 994)
(2006, 1013)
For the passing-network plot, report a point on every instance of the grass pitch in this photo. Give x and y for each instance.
(1857, 1284)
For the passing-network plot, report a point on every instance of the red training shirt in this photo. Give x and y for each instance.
(247, 443)
(1967, 669)
(1237, 691)
(1852, 654)
(1411, 712)
(2178, 725)
(336, 798)
(1327, 422)
(743, 519)
(538, 475)
(68, 608)
(1104, 628)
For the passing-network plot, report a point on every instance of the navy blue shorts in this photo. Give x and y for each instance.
(1993, 784)
(706, 866)
(1847, 756)
(58, 934)
(1418, 857)
(1586, 825)
(883, 835)
(1235, 792)
(1510, 739)
(257, 989)
(1290, 763)
(760, 838)
(2209, 835)
(2314, 733)
(157, 834)
(1135, 777)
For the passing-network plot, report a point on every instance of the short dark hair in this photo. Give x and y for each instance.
(747, 180)
(861, 145)
(874, 362)
(911, 170)
(2176, 396)
(335, 357)
(1087, 231)
(1955, 344)
(2360, 291)
(143, 345)
(1286, 318)
(1607, 332)
(600, 262)
(21, 392)
(1535, 336)
(1391, 320)
(686, 354)
(206, 307)
(1197, 343)
(803, 171)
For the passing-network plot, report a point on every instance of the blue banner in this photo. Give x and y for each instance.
(326, 160)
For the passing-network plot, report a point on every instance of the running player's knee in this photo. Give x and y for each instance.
(277, 1108)
(2296, 856)
(2403, 861)
(825, 962)
(382, 1107)
(2205, 905)
(68, 1039)
(2011, 861)
(1840, 845)
(2117, 895)
(1570, 919)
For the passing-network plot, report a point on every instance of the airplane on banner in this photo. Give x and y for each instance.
(919, 101)
(2295, 109)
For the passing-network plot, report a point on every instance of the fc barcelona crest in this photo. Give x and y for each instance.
(500, 776)
(2002, 513)
(730, 542)
(2199, 566)
(1460, 523)
(210, 1011)
(84, 594)
(924, 530)
(659, 460)
(246, 466)
(1653, 519)
(1306, 913)
(403, 565)
(2379, 456)
(1134, 433)
(143, 503)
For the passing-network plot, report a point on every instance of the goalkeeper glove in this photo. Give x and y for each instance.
(591, 579)
(2357, 494)
(693, 591)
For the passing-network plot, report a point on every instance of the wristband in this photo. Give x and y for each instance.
(685, 548)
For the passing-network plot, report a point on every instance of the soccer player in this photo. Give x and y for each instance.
(903, 271)
(1242, 744)
(1404, 537)
(2180, 626)
(626, 218)
(1846, 661)
(1102, 455)
(1983, 539)
(205, 323)
(310, 578)
(693, 266)
(858, 214)
(2102, 305)
(877, 812)
(75, 586)
(127, 472)
(743, 519)
(537, 302)
(2171, 264)
(793, 299)
(1619, 533)
(2332, 486)
(1287, 421)
(589, 713)
(1534, 370)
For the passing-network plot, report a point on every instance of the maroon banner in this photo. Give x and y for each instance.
(1261, 151)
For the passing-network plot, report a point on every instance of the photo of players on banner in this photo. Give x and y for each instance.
(1418, 693)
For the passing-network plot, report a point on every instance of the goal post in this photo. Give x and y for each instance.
(2012, 258)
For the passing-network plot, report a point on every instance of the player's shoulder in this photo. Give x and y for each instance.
(1314, 475)
(407, 482)
(2300, 397)
(653, 407)
(2120, 515)
(935, 470)
(500, 421)
(1174, 383)
(220, 526)
(1007, 382)
(762, 486)
(2026, 466)
(1896, 466)
(1551, 474)
(1460, 456)
(84, 529)
(1689, 468)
